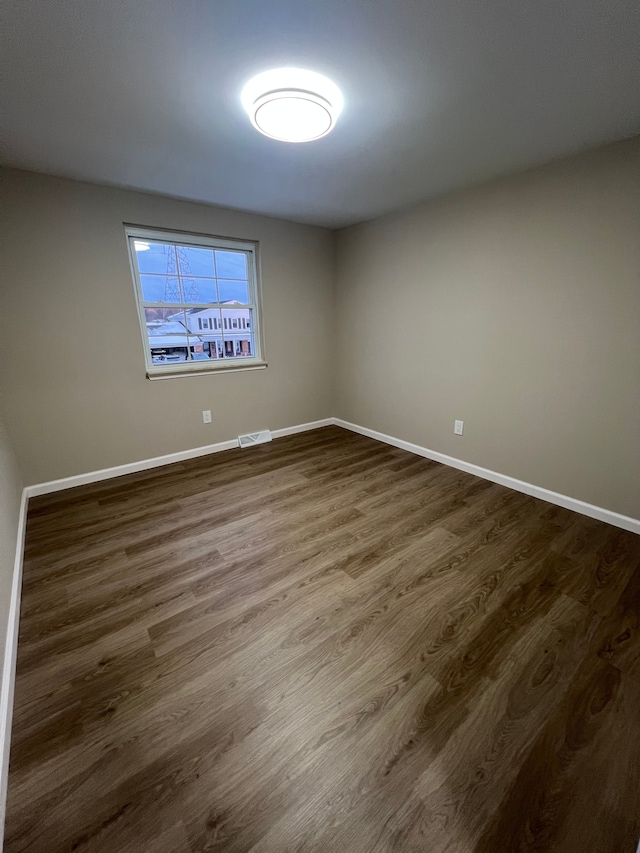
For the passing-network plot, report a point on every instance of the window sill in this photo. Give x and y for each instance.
(175, 371)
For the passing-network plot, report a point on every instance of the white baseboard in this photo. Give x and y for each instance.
(9, 663)
(157, 461)
(128, 468)
(606, 515)
(280, 433)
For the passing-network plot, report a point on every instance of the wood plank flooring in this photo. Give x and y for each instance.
(324, 644)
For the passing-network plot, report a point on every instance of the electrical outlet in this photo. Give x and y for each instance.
(458, 427)
(206, 417)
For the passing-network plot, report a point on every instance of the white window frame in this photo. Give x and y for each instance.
(199, 241)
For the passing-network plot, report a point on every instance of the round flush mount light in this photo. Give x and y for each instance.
(291, 104)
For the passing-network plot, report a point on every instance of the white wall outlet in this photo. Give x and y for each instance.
(458, 427)
(206, 417)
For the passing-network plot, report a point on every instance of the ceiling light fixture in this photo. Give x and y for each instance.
(291, 104)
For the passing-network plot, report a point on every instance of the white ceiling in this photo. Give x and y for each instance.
(439, 94)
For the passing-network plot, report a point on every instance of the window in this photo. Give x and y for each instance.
(191, 292)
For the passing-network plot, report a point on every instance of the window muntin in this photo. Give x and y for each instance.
(197, 299)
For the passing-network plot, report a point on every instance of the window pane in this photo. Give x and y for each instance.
(240, 316)
(160, 288)
(167, 336)
(196, 261)
(238, 346)
(244, 347)
(177, 282)
(233, 291)
(192, 321)
(154, 257)
(215, 349)
(199, 290)
(208, 317)
(231, 265)
(237, 333)
(156, 317)
(189, 290)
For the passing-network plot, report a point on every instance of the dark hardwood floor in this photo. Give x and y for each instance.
(324, 644)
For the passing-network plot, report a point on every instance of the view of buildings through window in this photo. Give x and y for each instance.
(198, 302)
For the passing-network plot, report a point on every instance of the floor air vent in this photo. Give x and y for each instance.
(254, 438)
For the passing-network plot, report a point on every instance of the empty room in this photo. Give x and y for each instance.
(319, 426)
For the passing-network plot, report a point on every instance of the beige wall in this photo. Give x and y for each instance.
(10, 495)
(73, 367)
(515, 307)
